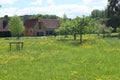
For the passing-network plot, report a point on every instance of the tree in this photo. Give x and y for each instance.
(97, 14)
(113, 13)
(16, 26)
(91, 25)
(102, 29)
(65, 17)
(64, 28)
(81, 24)
(114, 22)
(113, 8)
(74, 28)
(118, 30)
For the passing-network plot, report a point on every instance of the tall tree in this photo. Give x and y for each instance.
(16, 26)
(81, 25)
(118, 30)
(113, 13)
(113, 8)
(65, 17)
(98, 14)
(74, 28)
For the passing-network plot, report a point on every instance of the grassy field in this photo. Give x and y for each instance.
(50, 58)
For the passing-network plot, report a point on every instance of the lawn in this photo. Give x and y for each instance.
(50, 58)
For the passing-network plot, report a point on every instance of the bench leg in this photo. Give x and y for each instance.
(22, 46)
(18, 46)
(10, 47)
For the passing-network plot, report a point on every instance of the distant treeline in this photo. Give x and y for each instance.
(25, 17)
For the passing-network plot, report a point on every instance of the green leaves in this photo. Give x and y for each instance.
(97, 14)
(76, 26)
(16, 26)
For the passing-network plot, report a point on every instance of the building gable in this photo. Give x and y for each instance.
(40, 26)
(50, 23)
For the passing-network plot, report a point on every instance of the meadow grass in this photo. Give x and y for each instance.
(50, 58)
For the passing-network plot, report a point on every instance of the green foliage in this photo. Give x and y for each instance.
(16, 26)
(97, 14)
(113, 13)
(118, 30)
(91, 25)
(25, 17)
(81, 25)
(102, 29)
(65, 17)
(113, 8)
(76, 26)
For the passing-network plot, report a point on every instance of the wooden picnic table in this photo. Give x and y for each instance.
(19, 45)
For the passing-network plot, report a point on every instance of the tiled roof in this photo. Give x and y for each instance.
(3, 29)
(30, 23)
(48, 23)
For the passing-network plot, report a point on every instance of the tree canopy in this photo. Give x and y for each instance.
(113, 8)
(97, 14)
(16, 26)
(113, 13)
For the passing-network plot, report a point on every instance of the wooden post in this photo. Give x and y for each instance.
(19, 45)
(10, 46)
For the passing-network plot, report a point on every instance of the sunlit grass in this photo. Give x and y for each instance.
(50, 58)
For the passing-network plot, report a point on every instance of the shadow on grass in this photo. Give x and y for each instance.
(75, 42)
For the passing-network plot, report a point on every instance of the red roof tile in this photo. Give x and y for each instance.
(30, 23)
(48, 23)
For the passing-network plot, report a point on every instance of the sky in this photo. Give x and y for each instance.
(71, 8)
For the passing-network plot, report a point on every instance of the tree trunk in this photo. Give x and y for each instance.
(74, 36)
(103, 34)
(80, 38)
(119, 35)
(18, 36)
(98, 34)
(66, 36)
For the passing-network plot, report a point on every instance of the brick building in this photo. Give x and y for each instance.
(40, 27)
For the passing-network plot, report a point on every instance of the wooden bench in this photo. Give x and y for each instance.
(19, 45)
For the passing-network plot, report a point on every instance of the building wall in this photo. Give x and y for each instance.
(41, 30)
(28, 32)
(37, 31)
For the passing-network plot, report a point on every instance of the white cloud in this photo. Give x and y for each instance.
(8, 11)
(7, 1)
(95, 2)
(50, 2)
(87, 1)
(72, 10)
(37, 2)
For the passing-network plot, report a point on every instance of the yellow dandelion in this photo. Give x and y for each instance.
(74, 73)
(32, 58)
(98, 79)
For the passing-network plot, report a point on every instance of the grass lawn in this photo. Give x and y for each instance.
(51, 58)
